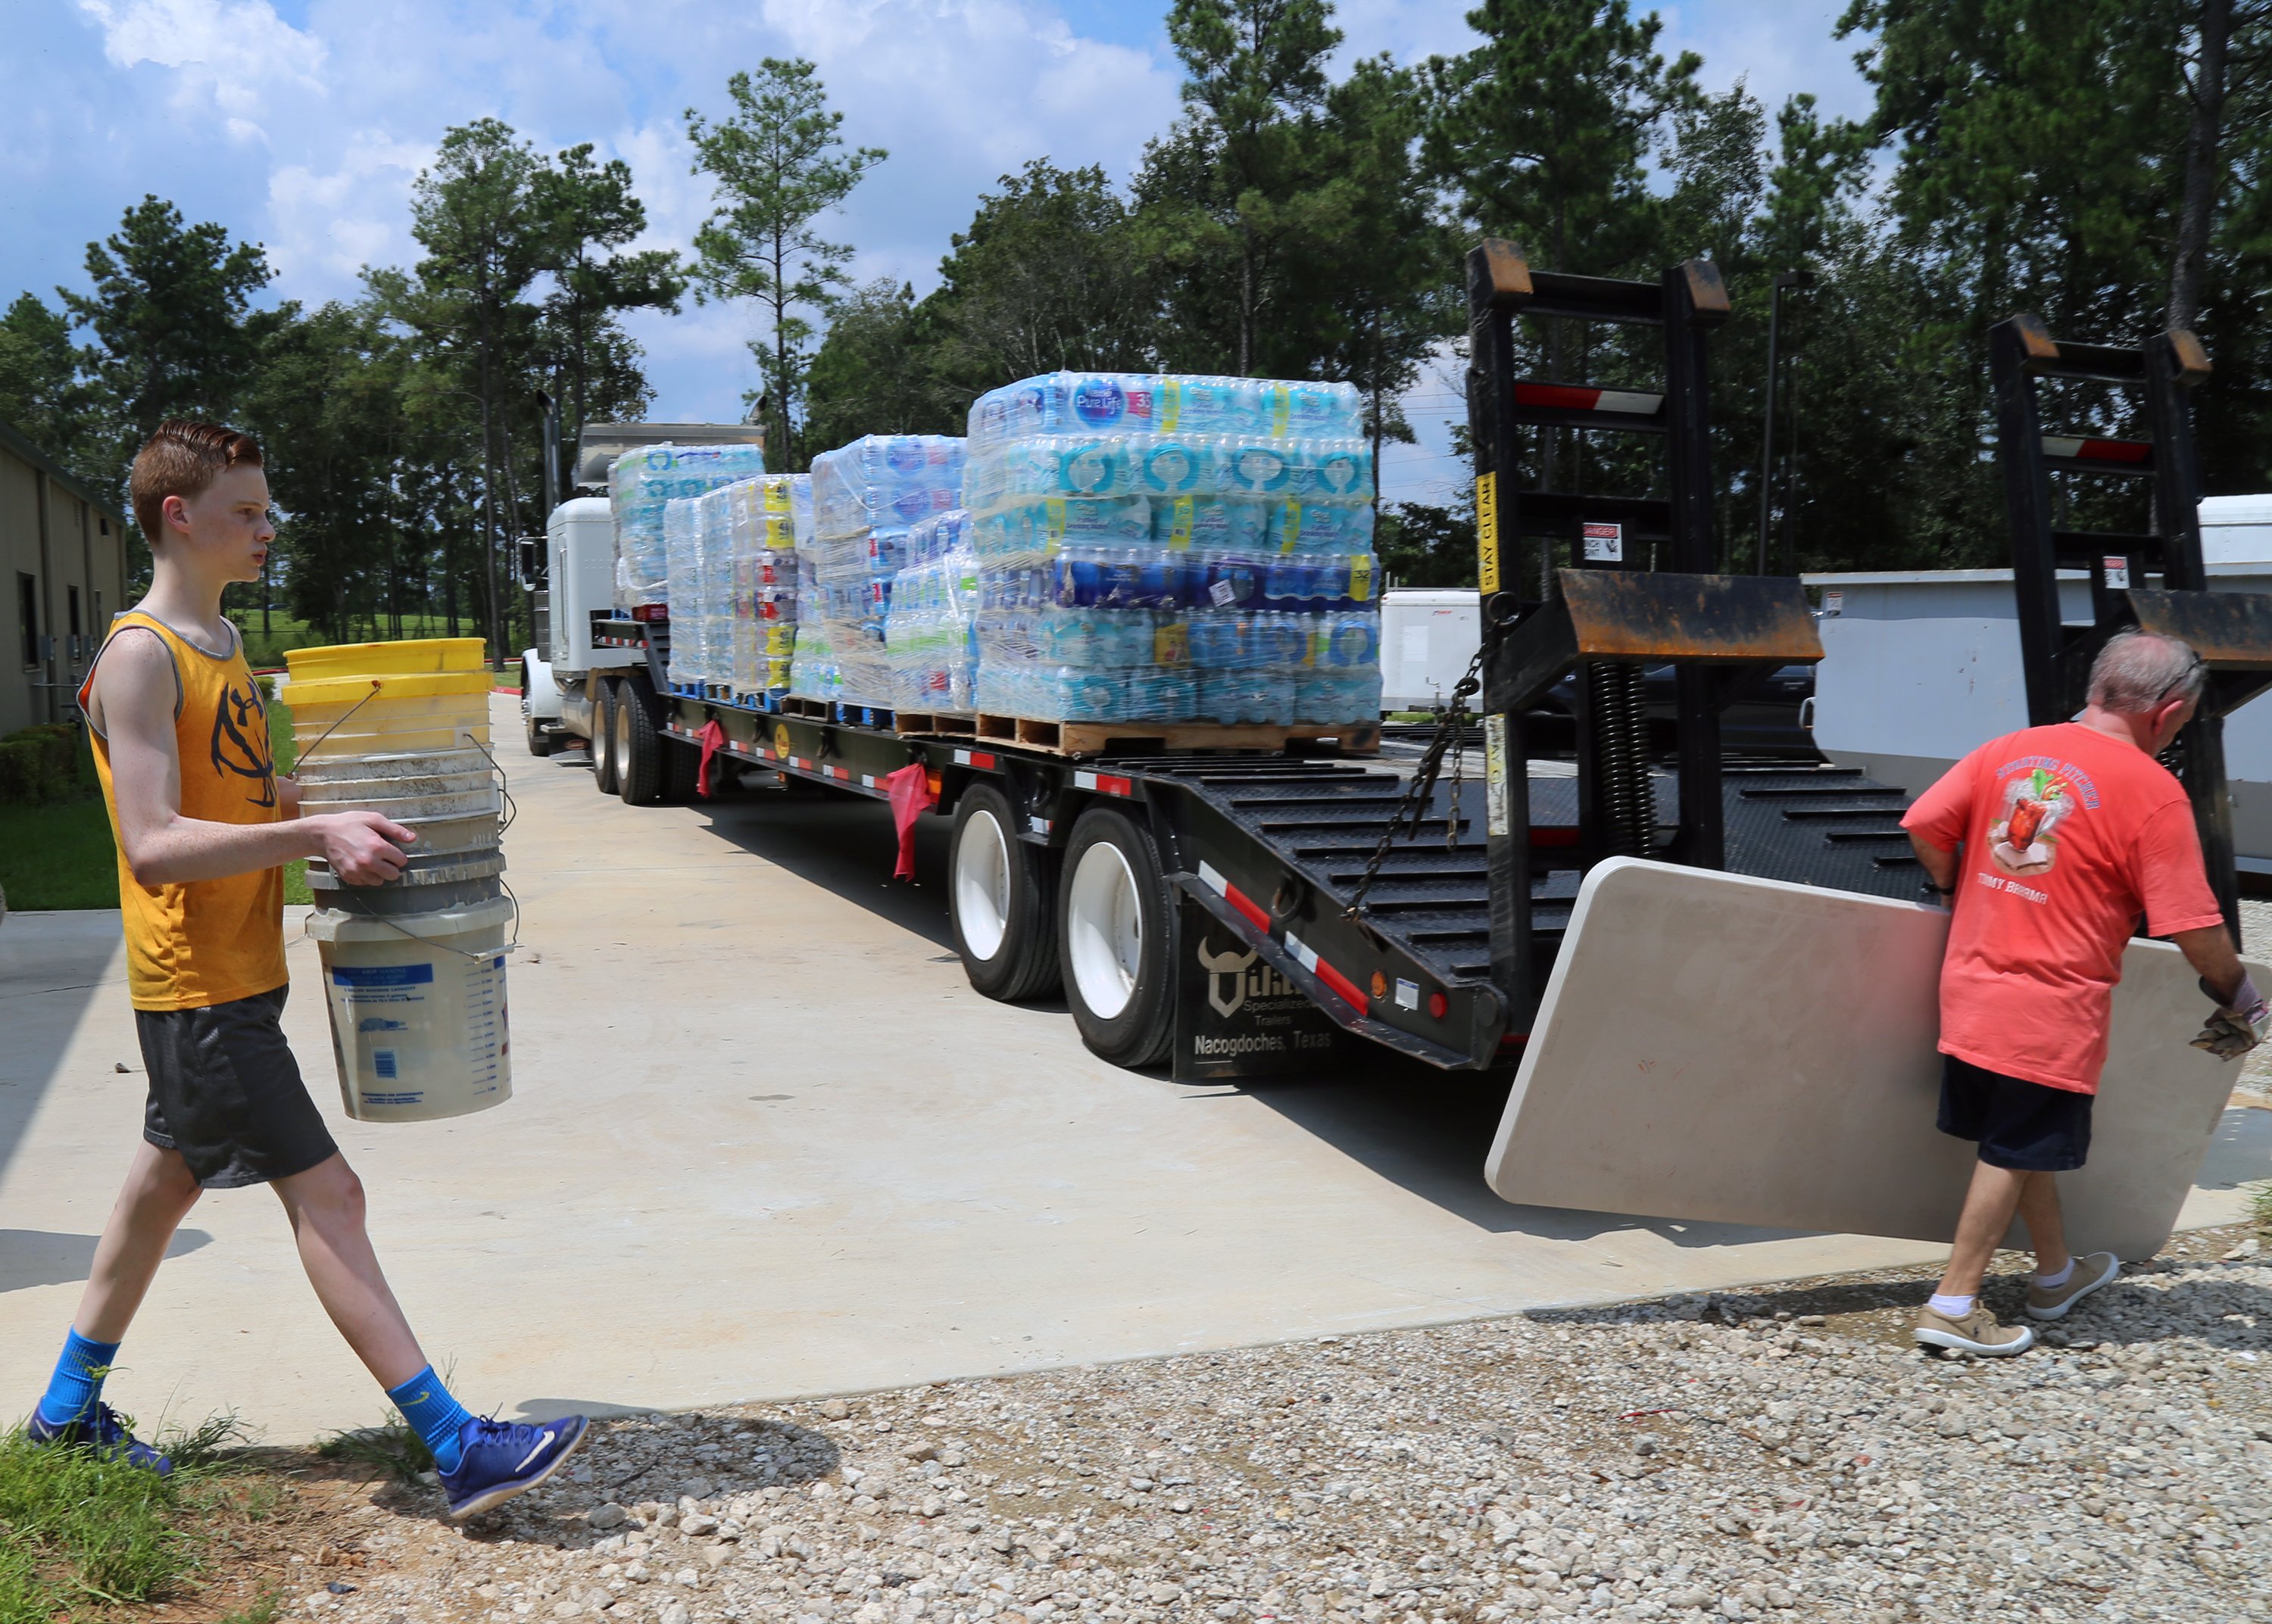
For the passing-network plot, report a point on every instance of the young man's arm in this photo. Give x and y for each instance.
(134, 694)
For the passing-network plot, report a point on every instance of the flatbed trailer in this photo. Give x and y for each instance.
(1225, 940)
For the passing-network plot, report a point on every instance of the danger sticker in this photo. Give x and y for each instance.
(1604, 544)
(2118, 572)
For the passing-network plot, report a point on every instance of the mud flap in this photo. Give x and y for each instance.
(1235, 1017)
(1723, 1049)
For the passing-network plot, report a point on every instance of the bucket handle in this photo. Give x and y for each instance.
(295, 774)
(381, 918)
(505, 790)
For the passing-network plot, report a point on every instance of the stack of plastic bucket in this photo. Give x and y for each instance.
(413, 969)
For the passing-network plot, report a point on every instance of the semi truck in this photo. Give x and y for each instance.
(1238, 900)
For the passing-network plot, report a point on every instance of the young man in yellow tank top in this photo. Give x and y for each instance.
(203, 827)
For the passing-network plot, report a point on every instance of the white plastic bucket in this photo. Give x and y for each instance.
(327, 768)
(418, 1010)
(412, 734)
(482, 797)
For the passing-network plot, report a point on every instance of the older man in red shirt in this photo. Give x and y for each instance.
(2049, 843)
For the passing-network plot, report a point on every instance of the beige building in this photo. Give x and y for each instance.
(63, 566)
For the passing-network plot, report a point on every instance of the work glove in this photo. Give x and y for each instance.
(2236, 1027)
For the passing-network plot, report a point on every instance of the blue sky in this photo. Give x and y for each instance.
(302, 124)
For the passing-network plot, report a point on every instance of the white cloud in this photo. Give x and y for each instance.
(326, 227)
(230, 54)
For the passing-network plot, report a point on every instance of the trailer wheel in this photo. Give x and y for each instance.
(603, 735)
(1116, 940)
(637, 752)
(1001, 899)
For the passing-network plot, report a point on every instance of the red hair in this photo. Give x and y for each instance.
(183, 458)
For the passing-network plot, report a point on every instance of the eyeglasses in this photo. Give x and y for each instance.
(2194, 665)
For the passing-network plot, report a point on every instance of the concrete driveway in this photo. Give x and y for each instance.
(767, 1142)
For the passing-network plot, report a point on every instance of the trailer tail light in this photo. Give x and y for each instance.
(934, 780)
(1438, 1006)
(651, 611)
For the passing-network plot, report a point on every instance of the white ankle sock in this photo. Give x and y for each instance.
(2052, 1282)
(1954, 1308)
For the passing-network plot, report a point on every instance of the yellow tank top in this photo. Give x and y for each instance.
(203, 942)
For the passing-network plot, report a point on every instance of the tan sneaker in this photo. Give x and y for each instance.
(2090, 1272)
(1976, 1332)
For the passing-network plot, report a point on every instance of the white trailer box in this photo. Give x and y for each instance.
(1427, 635)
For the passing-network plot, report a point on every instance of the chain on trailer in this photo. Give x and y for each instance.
(1421, 789)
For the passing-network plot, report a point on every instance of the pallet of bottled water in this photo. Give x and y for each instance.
(731, 577)
(641, 485)
(867, 499)
(930, 623)
(1159, 548)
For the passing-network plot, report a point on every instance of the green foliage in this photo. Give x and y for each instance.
(1423, 545)
(42, 395)
(44, 763)
(172, 316)
(392, 1449)
(873, 373)
(779, 168)
(76, 1527)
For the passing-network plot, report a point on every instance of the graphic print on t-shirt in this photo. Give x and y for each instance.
(2036, 798)
(239, 742)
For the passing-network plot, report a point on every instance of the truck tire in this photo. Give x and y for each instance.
(636, 747)
(1116, 939)
(1001, 900)
(603, 735)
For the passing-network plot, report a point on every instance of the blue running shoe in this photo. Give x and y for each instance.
(505, 1458)
(102, 1433)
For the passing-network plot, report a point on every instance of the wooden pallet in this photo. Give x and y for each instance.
(811, 709)
(1098, 738)
(938, 724)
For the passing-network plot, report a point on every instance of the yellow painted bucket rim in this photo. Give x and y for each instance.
(410, 656)
(403, 685)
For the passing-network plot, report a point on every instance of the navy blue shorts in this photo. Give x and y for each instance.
(2021, 1126)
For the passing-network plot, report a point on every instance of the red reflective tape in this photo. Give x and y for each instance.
(1112, 785)
(1238, 899)
(1553, 834)
(982, 758)
(2114, 450)
(1342, 985)
(838, 772)
(1559, 396)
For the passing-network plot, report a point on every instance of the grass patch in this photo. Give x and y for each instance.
(2259, 1206)
(61, 855)
(392, 1449)
(75, 1527)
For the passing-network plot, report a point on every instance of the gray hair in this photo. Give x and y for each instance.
(2138, 670)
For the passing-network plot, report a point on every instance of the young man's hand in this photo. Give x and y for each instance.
(363, 848)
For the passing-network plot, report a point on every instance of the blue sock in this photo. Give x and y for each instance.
(433, 1415)
(77, 1386)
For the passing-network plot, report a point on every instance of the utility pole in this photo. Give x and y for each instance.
(1783, 279)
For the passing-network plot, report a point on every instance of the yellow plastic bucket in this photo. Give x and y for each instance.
(417, 655)
(380, 686)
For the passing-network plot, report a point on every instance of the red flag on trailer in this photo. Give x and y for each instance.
(912, 796)
(714, 740)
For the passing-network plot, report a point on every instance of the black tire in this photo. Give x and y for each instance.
(603, 735)
(635, 747)
(1118, 958)
(1010, 905)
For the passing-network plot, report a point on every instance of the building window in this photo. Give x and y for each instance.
(27, 616)
(70, 599)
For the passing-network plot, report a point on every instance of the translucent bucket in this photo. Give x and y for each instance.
(404, 808)
(395, 899)
(476, 832)
(336, 793)
(417, 1004)
(388, 736)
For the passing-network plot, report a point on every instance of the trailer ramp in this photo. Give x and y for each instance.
(1274, 851)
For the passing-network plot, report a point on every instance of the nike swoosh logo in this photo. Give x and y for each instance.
(542, 1444)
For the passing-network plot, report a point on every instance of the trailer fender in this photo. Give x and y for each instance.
(540, 694)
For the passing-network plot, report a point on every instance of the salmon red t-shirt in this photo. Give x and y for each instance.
(2069, 836)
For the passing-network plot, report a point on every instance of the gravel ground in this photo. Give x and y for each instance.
(1781, 1453)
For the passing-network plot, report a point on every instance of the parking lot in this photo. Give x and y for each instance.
(767, 1141)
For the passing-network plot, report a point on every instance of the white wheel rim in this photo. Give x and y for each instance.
(1104, 930)
(982, 886)
(623, 736)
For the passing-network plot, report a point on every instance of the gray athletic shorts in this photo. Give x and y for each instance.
(226, 1092)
